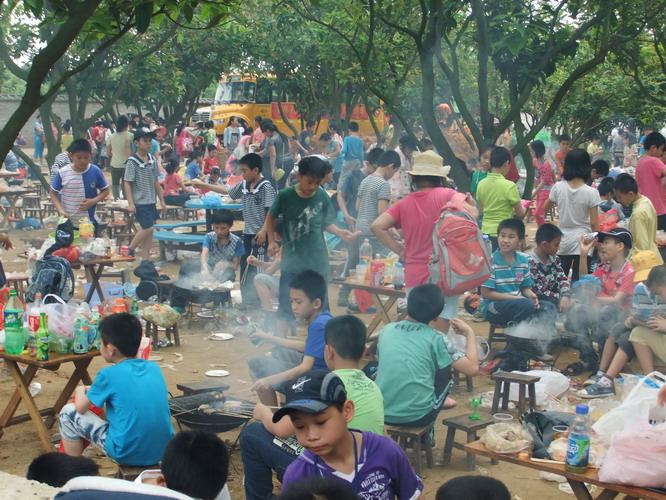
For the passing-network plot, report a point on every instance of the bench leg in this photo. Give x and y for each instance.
(428, 452)
(470, 383)
(416, 449)
(505, 395)
(471, 459)
(448, 445)
(521, 399)
(496, 396)
(176, 336)
(532, 392)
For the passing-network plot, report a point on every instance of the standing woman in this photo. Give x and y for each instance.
(39, 140)
(578, 206)
(335, 149)
(279, 153)
(232, 135)
(184, 140)
(119, 148)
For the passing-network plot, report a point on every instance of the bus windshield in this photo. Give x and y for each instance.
(234, 92)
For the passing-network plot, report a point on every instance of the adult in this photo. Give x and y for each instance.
(183, 140)
(416, 214)
(618, 148)
(279, 153)
(258, 135)
(402, 182)
(232, 134)
(119, 149)
(39, 139)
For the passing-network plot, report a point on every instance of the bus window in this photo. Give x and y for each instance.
(264, 91)
(235, 92)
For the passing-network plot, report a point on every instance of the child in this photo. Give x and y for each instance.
(600, 170)
(292, 358)
(55, 469)
(605, 189)
(594, 148)
(77, 188)
(545, 179)
(577, 206)
(214, 178)
(614, 301)
(136, 399)
(649, 302)
(193, 170)
(564, 142)
(331, 148)
(175, 191)
(649, 174)
(211, 159)
(305, 138)
(473, 488)
(412, 361)
(507, 295)
(643, 220)
(143, 188)
(352, 152)
(221, 250)
(549, 282)
(306, 211)
(375, 466)
(266, 284)
(318, 488)
(484, 167)
(496, 196)
(348, 192)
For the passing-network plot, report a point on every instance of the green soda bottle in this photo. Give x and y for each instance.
(43, 339)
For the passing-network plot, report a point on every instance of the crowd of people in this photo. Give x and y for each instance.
(599, 271)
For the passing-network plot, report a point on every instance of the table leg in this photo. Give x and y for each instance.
(15, 400)
(16, 211)
(381, 310)
(610, 495)
(29, 402)
(579, 489)
(95, 275)
(381, 316)
(80, 372)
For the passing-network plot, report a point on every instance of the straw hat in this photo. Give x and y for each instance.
(429, 163)
(643, 262)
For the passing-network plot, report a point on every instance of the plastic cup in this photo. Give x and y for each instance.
(360, 274)
(560, 431)
(352, 273)
(502, 418)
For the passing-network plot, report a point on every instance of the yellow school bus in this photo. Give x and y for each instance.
(247, 97)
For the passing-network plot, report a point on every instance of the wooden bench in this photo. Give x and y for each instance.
(416, 439)
(169, 331)
(170, 240)
(503, 381)
(470, 428)
(131, 472)
(494, 336)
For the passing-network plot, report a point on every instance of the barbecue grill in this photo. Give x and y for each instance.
(222, 418)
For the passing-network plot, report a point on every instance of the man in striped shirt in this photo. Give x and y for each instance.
(80, 185)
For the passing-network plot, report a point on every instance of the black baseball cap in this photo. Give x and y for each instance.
(313, 392)
(620, 233)
(144, 132)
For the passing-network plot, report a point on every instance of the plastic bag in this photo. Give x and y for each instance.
(558, 449)
(608, 220)
(637, 455)
(60, 344)
(60, 316)
(636, 405)
(507, 438)
(70, 253)
(162, 315)
(460, 343)
(552, 383)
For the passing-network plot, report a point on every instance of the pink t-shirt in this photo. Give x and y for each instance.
(171, 182)
(416, 214)
(648, 177)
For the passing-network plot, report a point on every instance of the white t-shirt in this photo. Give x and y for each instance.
(574, 207)
(150, 475)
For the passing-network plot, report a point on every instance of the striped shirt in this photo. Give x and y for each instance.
(74, 187)
(142, 176)
(647, 304)
(60, 161)
(508, 278)
(255, 203)
(372, 189)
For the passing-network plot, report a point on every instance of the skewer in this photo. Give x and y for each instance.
(247, 267)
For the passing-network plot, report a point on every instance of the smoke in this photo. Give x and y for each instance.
(536, 334)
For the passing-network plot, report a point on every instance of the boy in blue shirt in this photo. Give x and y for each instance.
(222, 250)
(135, 394)
(193, 170)
(353, 153)
(507, 295)
(292, 358)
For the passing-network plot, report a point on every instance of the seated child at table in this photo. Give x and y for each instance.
(413, 358)
(606, 194)
(549, 282)
(473, 488)
(507, 294)
(649, 301)
(222, 250)
(136, 398)
(614, 301)
(55, 468)
(318, 488)
(175, 191)
(193, 170)
(373, 465)
(291, 358)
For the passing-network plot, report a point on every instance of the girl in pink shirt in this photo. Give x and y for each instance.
(545, 177)
(175, 191)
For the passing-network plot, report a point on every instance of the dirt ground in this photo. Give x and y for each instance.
(19, 444)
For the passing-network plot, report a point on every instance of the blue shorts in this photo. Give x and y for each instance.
(75, 426)
(146, 215)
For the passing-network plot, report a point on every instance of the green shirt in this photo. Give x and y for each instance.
(304, 220)
(367, 398)
(409, 355)
(497, 195)
(477, 177)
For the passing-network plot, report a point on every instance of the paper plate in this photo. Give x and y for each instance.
(205, 314)
(217, 373)
(220, 336)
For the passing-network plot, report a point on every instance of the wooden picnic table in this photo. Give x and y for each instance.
(6, 174)
(12, 196)
(22, 392)
(95, 268)
(128, 216)
(576, 481)
(209, 211)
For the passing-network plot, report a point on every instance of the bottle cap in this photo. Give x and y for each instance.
(367, 240)
(582, 409)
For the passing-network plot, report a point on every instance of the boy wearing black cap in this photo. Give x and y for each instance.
(374, 465)
(142, 187)
(613, 304)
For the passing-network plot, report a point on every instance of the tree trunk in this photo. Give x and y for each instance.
(31, 165)
(370, 110)
(285, 119)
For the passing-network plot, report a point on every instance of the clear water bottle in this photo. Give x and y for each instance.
(578, 450)
(398, 276)
(488, 243)
(365, 251)
(81, 329)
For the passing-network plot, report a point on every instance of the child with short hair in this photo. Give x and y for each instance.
(643, 220)
(175, 191)
(318, 488)
(605, 189)
(549, 282)
(291, 358)
(649, 301)
(496, 196)
(564, 143)
(545, 179)
(348, 192)
(221, 250)
(484, 167)
(650, 172)
(319, 409)
(136, 398)
(193, 170)
(473, 488)
(600, 170)
(143, 189)
(77, 188)
(352, 152)
(210, 160)
(507, 294)
(413, 358)
(55, 468)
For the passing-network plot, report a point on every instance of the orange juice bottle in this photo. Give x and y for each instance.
(377, 270)
(120, 306)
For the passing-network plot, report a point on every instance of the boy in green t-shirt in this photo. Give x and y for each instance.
(306, 211)
(413, 372)
(497, 198)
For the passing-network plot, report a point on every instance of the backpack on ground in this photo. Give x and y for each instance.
(460, 259)
(52, 275)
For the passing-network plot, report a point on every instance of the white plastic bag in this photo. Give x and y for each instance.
(460, 343)
(60, 316)
(637, 455)
(638, 404)
(507, 438)
(553, 383)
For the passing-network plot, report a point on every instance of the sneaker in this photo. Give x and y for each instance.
(477, 317)
(592, 380)
(596, 391)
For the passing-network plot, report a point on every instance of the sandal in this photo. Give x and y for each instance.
(576, 368)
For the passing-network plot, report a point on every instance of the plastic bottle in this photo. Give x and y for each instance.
(13, 319)
(134, 308)
(93, 329)
(43, 340)
(33, 312)
(86, 229)
(365, 255)
(377, 270)
(81, 330)
(120, 306)
(488, 243)
(398, 276)
(578, 450)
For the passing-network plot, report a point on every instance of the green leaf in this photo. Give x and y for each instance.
(142, 15)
